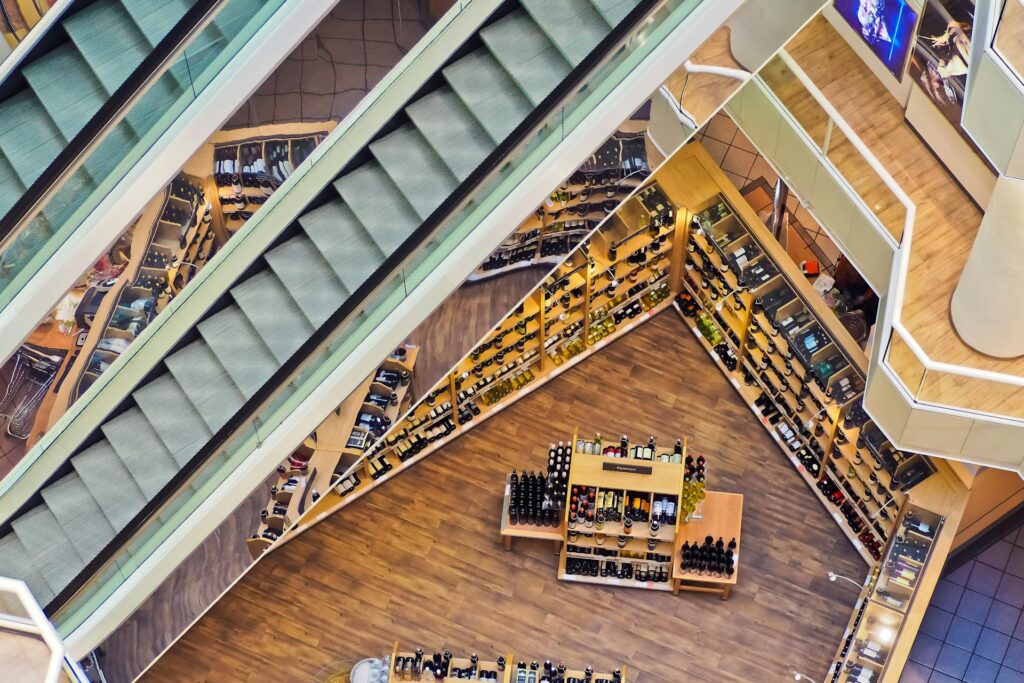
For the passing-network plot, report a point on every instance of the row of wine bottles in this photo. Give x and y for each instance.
(709, 557)
(620, 569)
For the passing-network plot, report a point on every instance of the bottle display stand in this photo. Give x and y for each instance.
(510, 531)
(444, 667)
(722, 517)
(338, 442)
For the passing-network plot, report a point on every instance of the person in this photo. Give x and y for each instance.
(860, 295)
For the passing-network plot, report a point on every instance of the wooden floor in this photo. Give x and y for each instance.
(419, 559)
(947, 221)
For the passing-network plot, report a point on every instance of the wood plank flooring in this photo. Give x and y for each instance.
(420, 560)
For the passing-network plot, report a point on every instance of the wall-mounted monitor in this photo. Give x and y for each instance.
(886, 26)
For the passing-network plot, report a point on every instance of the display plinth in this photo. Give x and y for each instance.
(510, 531)
(723, 518)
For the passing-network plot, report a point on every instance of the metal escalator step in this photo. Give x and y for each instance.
(308, 277)
(527, 54)
(137, 444)
(416, 169)
(155, 18)
(109, 40)
(206, 383)
(11, 187)
(49, 547)
(79, 515)
(344, 242)
(110, 483)
(488, 92)
(379, 205)
(238, 347)
(453, 132)
(28, 136)
(273, 312)
(66, 87)
(614, 11)
(575, 26)
(17, 564)
(173, 417)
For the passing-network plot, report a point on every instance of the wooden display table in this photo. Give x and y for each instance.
(723, 517)
(506, 668)
(510, 531)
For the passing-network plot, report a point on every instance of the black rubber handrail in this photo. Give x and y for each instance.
(245, 415)
(94, 132)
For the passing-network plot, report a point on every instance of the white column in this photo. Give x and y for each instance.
(988, 303)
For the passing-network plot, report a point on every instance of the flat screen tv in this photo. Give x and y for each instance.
(886, 26)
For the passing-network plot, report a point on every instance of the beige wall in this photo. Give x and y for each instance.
(994, 494)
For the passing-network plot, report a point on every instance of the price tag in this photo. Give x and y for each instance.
(733, 381)
(650, 584)
(837, 517)
(508, 489)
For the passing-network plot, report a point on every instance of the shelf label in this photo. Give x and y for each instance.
(629, 468)
(650, 584)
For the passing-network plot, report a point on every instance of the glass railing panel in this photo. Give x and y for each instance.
(902, 360)
(23, 253)
(800, 103)
(1009, 37)
(384, 300)
(972, 394)
(868, 185)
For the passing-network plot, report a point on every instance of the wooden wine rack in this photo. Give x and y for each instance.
(329, 450)
(504, 673)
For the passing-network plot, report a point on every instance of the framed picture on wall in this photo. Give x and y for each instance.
(885, 26)
(941, 53)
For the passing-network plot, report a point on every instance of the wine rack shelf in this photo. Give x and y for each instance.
(444, 667)
(315, 467)
(574, 210)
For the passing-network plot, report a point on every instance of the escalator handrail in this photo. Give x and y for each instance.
(78, 149)
(246, 414)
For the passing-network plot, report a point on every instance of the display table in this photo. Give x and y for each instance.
(723, 517)
(510, 531)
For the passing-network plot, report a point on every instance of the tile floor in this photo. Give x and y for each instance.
(337, 64)
(973, 630)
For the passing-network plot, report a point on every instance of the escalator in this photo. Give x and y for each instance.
(462, 123)
(50, 99)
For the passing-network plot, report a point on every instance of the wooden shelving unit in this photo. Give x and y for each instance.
(570, 213)
(722, 518)
(332, 449)
(503, 669)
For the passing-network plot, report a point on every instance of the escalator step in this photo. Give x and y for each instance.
(109, 40)
(238, 347)
(66, 87)
(274, 314)
(344, 242)
(17, 564)
(379, 205)
(417, 171)
(527, 54)
(110, 483)
(308, 277)
(78, 514)
(49, 547)
(206, 383)
(28, 136)
(141, 450)
(489, 93)
(173, 417)
(575, 26)
(156, 17)
(451, 130)
(614, 11)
